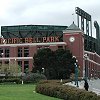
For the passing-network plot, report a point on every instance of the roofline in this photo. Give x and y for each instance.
(73, 31)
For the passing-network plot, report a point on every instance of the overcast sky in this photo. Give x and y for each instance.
(45, 12)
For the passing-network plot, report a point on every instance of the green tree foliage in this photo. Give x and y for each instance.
(57, 64)
(10, 69)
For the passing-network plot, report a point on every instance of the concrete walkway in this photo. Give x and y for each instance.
(94, 85)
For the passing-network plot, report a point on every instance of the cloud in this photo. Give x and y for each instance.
(51, 12)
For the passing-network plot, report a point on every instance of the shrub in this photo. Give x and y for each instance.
(33, 77)
(11, 80)
(65, 92)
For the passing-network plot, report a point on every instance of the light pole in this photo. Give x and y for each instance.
(76, 70)
(9, 63)
(43, 70)
(88, 73)
(76, 73)
(86, 66)
(2, 60)
(15, 68)
(92, 73)
(2, 54)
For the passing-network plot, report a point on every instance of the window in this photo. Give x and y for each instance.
(46, 47)
(1, 52)
(90, 45)
(26, 52)
(6, 52)
(60, 47)
(94, 46)
(6, 62)
(26, 65)
(0, 64)
(20, 52)
(39, 47)
(85, 44)
(20, 64)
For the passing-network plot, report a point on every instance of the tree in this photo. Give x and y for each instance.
(10, 69)
(64, 63)
(42, 58)
(57, 64)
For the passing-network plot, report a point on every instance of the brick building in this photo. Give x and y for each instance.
(20, 43)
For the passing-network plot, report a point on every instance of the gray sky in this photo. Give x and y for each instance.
(45, 12)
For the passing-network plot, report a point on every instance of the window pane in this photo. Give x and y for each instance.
(20, 64)
(60, 47)
(1, 52)
(26, 66)
(26, 52)
(6, 52)
(20, 52)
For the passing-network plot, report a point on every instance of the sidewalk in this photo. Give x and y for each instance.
(94, 85)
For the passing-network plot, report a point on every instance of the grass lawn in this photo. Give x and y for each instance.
(21, 92)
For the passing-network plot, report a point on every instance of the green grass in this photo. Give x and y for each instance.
(21, 92)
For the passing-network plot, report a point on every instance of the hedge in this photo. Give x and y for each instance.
(65, 92)
(33, 77)
(10, 80)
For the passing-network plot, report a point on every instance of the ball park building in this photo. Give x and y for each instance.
(18, 44)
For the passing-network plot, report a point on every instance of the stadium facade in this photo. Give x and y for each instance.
(18, 45)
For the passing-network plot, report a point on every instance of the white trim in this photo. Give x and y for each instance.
(88, 52)
(17, 58)
(97, 55)
(93, 62)
(92, 53)
(34, 44)
(73, 31)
